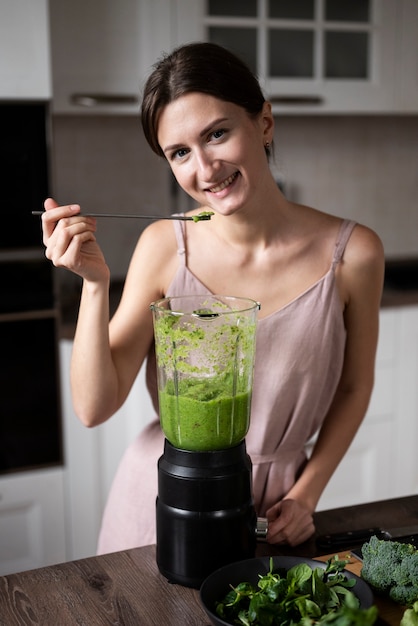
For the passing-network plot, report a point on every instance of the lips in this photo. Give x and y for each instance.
(225, 183)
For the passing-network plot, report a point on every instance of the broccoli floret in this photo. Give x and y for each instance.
(380, 559)
(405, 575)
(391, 567)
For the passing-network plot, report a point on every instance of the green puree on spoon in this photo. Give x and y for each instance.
(204, 215)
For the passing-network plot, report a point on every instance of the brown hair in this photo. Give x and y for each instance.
(197, 67)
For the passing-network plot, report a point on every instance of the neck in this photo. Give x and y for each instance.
(256, 224)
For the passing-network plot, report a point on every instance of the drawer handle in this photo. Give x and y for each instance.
(92, 99)
(296, 100)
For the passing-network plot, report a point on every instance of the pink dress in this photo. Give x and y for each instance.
(299, 359)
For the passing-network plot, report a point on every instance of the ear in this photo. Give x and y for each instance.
(267, 122)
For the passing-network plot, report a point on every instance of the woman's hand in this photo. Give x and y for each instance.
(70, 241)
(289, 523)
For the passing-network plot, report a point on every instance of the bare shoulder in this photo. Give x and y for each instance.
(364, 248)
(361, 272)
(155, 257)
(159, 236)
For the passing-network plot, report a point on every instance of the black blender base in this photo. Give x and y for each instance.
(205, 512)
(194, 548)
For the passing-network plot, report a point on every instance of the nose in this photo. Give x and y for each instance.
(206, 164)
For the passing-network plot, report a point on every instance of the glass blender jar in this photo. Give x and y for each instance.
(205, 516)
(205, 359)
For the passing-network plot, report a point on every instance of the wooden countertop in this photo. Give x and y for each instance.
(126, 588)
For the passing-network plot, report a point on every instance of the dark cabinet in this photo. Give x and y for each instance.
(30, 416)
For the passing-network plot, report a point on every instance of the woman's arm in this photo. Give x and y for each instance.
(107, 357)
(360, 281)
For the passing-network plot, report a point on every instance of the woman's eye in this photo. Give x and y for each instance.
(179, 154)
(217, 134)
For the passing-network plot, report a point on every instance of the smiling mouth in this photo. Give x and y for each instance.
(225, 183)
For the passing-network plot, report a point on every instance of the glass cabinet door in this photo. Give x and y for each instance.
(328, 54)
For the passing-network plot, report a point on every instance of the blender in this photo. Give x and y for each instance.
(205, 516)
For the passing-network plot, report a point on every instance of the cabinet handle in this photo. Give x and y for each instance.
(94, 99)
(35, 314)
(297, 100)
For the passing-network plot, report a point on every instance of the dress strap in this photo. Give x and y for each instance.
(179, 230)
(343, 236)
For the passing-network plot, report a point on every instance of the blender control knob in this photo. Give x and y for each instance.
(261, 528)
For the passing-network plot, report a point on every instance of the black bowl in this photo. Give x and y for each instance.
(217, 584)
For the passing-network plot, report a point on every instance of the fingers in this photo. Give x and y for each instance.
(65, 249)
(67, 235)
(50, 203)
(53, 214)
(64, 217)
(289, 523)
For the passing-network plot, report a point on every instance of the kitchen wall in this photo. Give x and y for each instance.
(104, 164)
(365, 168)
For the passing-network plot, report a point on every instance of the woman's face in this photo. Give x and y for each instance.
(215, 150)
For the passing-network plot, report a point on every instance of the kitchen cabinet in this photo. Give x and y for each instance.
(103, 50)
(32, 520)
(92, 457)
(32, 516)
(318, 56)
(24, 50)
(381, 462)
(314, 57)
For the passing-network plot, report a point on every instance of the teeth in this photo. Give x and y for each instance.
(224, 183)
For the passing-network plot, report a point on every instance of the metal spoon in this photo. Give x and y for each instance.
(200, 217)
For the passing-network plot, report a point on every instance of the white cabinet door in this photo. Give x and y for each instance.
(407, 425)
(92, 457)
(318, 61)
(365, 474)
(367, 471)
(102, 51)
(32, 520)
(382, 461)
(24, 50)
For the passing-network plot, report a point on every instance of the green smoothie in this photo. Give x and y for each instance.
(205, 359)
(204, 415)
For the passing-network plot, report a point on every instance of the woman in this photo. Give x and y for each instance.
(318, 279)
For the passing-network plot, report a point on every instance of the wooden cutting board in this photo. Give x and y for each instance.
(390, 613)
